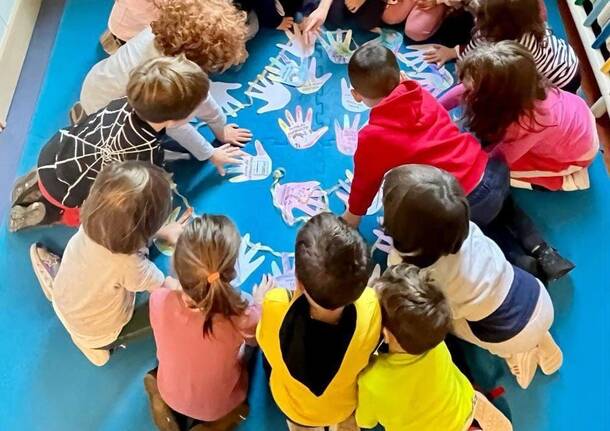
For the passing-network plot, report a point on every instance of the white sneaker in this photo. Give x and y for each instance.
(523, 366)
(550, 357)
(488, 416)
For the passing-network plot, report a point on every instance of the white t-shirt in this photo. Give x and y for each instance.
(94, 290)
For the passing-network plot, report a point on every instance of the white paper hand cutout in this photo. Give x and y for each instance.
(220, 93)
(252, 168)
(347, 100)
(347, 137)
(391, 39)
(338, 45)
(345, 188)
(297, 45)
(436, 81)
(298, 130)
(307, 197)
(285, 277)
(374, 275)
(246, 264)
(275, 94)
(313, 83)
(383, 243)
(287, 71)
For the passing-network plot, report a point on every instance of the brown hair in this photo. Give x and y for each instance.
(207, 250)
(167, 88)
(373, 71)
(425, 212)
(506, 85)
(331, 261)
(212, 33)
(498, 20)
(128, 203)
(413, 308)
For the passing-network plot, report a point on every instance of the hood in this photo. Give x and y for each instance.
(401, 109)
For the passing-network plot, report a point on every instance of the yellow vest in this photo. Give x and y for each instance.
(339, 399)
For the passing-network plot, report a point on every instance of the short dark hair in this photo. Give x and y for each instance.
(331, 261)
(425, 212)
(413, 309)
(373, 71)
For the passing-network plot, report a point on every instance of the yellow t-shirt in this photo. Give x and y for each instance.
(406, 392)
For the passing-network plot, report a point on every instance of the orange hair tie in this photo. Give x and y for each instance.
(213, 277)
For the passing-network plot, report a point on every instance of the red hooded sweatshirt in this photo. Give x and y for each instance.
(411, 127)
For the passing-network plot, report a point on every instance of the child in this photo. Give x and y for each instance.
(416, 386)
(163, 92)
(201, 328)
(211, 33)
(522, 21)
(408, 125)
(547, 136)
(422, 18)
(495, 305)
(105, 263)
(318, 339)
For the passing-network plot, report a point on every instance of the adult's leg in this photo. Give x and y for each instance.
(337, 15)
(368, 16)
(397, 13)
(422, 24)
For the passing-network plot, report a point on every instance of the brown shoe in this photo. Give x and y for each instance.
(162, 414)
(110, 43)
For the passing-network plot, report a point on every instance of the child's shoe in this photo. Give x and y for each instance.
(21, 217)
(45, 265)
(295, 427)
(488, 416)
(228, 422)
(523, 366)
(552, 263)
(550, 357)
(110, 43)
(24, 190)
(162, 415)
(77, 114)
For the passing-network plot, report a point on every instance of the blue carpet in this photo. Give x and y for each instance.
(46, 383)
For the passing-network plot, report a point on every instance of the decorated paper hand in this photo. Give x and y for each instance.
(252, 168)
(246, 264)
(299, 131)
(307, 197)
(345, 188)
(284, 277)
(413, 58)
(347, 137)
(436, 81)
(313, 83)
(391, 39)
(287, 71)
(220, 93)
(383, 243)
(297, 45)
(347, 100)
(275, 94)
(338, 45)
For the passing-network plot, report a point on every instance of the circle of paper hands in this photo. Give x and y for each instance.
(307, 197)
(299, 131)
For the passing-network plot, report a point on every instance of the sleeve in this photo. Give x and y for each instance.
(367, 180)
(452, 98)
(141, 274)
(209, 112)
(365, 412)
(248, 322)
(191, 140)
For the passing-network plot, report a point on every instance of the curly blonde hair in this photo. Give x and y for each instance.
(212, 33)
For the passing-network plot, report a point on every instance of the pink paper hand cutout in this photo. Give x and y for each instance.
(285, 277)
(347, 137)
(307, 197)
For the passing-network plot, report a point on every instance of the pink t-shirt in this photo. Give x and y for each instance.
(201, 377)
(130, 17)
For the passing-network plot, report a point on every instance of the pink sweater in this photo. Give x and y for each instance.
(562, 139)
(130, 17)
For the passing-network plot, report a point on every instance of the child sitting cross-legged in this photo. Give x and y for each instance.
(204, 331)
(416, 386)
(93, 287)
(161, 93)
(320, 337)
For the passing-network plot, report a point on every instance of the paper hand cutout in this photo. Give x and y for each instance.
(285, 277)
(287, 71)
(275, 94)
(246, 264)
(307, 197)
(220, 93)
(252, 168)
(313, 83)
(374, 275)
(391, 39)
(338, 45)
(299, 131)
(347, 137)
(383, 243)
(297, 45)
(347, 100)
(345, 188)
(436, 81)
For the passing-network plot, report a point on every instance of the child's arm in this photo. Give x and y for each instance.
(365, 412)
(452, 98)
(209, 112)
(141, 274)
(252, 316)
(368, 176)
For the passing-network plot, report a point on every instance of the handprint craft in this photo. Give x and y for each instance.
(273, 93)
(307, 197)
(345, 188)
(299, 131)
(347, 136)
(312, 83)
(286, 71)
(338, 45)
(252, 168)
(220, 93)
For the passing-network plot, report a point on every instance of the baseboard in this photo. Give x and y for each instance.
(13, 48)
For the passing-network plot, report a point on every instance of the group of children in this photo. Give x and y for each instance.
(340, 350)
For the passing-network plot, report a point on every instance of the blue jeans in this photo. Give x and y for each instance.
(487, 199)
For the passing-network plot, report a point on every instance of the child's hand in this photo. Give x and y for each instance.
(260, 290)
(235, 135)
(353, 5)
(312, 23)
(224, 155)
(426, 4)
(351, 219)
(286, 24)
(171, 231)
(440, 54)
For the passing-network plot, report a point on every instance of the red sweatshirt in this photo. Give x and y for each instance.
(411, 127)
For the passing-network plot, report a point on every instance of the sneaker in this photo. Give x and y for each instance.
(552, 263)
(24, 188)
(77, 114)
(550, 357)
(45, 265)
(110, 43)
(162, 415)
(22, 217)
(488, 417)
(523, 366)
